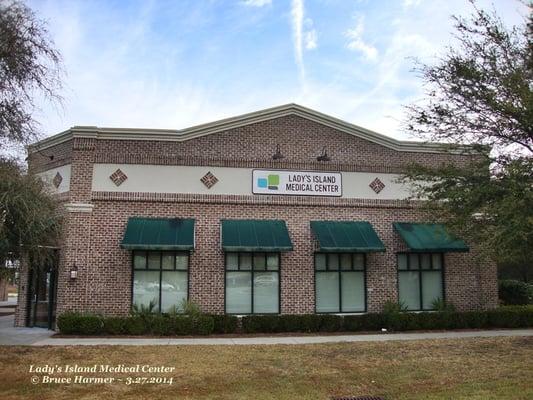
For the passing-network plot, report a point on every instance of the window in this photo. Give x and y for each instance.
(420, 280)
(340, 282)
(160, 278)
(252, 283)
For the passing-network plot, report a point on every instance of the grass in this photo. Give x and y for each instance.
(492, 368)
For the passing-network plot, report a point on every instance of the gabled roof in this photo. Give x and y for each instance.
(235, 122)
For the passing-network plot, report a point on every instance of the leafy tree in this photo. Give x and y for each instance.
(480, 93)
(29, 66)
(29, 219)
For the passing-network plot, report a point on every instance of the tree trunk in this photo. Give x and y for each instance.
(3, 289)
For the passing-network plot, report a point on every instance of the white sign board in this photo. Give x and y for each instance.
(300, 183)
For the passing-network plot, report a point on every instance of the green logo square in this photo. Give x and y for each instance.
(273, 180)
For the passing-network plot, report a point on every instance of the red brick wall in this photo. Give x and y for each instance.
(91, 239)
(300, 141)
(104, 283)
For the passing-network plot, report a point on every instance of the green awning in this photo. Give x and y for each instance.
(346, 236)
(429, 237)
(255, 235)
(159, 234)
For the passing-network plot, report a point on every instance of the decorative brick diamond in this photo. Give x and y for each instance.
(376, 185)
(209, 180)
(57, 180)
(118, 177)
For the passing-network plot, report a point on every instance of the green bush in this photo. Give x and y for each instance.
(261, 323)
(515, 292)
(511, 317)
(67, 322)
(74, 323)
(224, 323)
(330, 323)
(299, 323)
(114, 325)
(162, 325)
(135, 325)
(178, 324)
(203, 325)
(183, 325)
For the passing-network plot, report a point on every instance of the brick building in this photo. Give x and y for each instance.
(284, 210)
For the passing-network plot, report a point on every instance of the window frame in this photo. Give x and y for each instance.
(420, 270)
(161, 269)
(252, 272)
(340, 271)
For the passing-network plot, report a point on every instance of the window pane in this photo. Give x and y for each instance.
(437, 261)
(232, 261)
(266, 292)
(359, 261)
(408, 283)
(346, 261)
(139, 260)
(425, 261)
(246, 261)
(146, 288)
(353, 291)
(272, 262)
(431, 288)
(182, 261)
(259, 261)
(153, 260)
(320, 261)
(413, 261)
(173, 289)
(333, 262)
(167, 260)
(402, 261)
(327, 292)
(238, 292)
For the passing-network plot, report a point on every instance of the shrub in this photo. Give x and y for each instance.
(511, 317)
(135, 325)
(115, 325)
(354, 323)
(67, 322)
(299, 323)
(515, 292)
(188, 307)
(224, 323)
(440, 305)
(91, 324)
(261, 323)
(393, 318)
(183, 325)
(79, 323)
(330, 323)
(141, 310)
(162, 325)
(203, 325)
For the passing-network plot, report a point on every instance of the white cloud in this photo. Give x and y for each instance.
(302, 36)
(356, 42)
(257, 3)
(297, 19)
(411, 3)
(311, 40)
(310, 35)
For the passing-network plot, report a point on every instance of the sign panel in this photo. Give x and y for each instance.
(300, 183)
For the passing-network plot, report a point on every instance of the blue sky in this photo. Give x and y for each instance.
(174, 64)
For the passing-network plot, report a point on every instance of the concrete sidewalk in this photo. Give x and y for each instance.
(281, 339)
(9, 335)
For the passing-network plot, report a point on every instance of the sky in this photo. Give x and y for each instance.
(175, 64)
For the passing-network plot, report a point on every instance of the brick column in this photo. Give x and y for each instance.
(72, 294)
